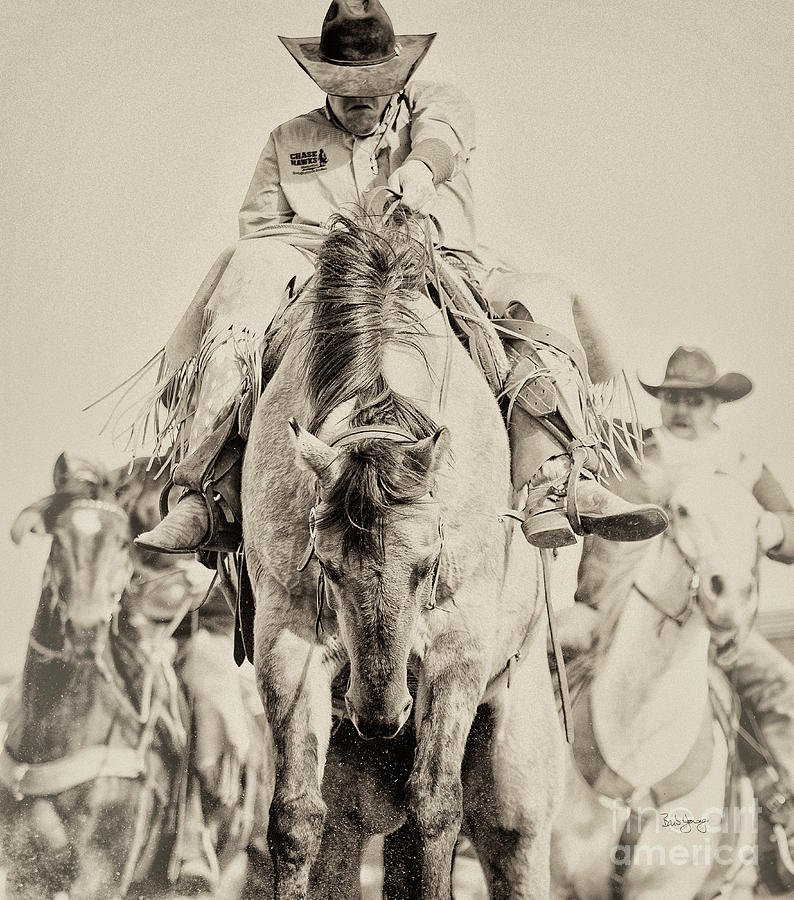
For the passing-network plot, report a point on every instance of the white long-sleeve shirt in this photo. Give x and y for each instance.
(311, 167)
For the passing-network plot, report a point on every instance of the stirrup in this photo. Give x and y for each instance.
(558, 524)
(223, 536)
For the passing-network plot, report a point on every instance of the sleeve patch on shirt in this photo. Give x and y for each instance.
(303, 162)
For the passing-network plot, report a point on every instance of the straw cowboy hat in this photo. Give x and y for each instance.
(692, 369)
(357, 54)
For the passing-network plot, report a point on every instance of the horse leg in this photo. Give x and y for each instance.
(336, 874)
(401, 870)
(296, 692)
(449, 692)
(513, 776)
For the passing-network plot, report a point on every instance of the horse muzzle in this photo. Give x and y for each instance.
(382, 725)
(727, 602)
(84, 641)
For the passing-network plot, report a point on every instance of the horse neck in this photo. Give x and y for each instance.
(62, 703)
(60, 708)
(650, 691)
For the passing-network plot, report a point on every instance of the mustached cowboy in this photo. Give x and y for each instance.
(690, 441)
(378, 127)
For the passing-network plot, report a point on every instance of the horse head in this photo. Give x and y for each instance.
(377, 534)
(90, 564)
(714, 523)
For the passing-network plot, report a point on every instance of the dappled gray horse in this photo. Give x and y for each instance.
(375, 537)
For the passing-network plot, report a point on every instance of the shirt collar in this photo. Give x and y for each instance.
(386, 134)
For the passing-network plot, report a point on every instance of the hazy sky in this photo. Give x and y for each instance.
(642, 150)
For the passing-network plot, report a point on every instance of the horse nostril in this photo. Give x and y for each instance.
(407, 708)
(717, 585)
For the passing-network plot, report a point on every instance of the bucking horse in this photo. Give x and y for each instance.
(375, 486)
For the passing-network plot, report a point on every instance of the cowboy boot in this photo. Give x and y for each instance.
(208, 516)
(553, 450)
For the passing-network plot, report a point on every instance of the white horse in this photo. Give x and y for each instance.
(647, 810)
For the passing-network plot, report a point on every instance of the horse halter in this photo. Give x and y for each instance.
(691, 591)
(58, 602)
(659, 596)
(383, 432)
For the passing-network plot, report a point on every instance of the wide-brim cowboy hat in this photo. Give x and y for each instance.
(358, 54)
(692, 369)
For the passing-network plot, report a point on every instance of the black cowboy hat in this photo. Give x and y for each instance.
(357, 54)
(692, 369)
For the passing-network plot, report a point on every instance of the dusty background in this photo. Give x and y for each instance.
(642, 150)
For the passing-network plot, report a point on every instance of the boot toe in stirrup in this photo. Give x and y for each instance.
(182, 531)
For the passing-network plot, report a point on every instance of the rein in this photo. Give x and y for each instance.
(661, 597)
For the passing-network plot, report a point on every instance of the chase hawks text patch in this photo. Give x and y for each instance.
(304, 161)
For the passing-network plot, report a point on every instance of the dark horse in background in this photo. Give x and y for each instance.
(93, 771)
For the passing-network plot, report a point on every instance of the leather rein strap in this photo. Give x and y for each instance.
(684, 582)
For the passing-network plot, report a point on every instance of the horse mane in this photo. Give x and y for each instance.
(367, 274)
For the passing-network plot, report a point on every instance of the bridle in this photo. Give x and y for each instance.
(686, 583)
(347, 438)
(505, 675)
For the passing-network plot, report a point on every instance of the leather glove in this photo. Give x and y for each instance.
(770, 531)
(413, 182)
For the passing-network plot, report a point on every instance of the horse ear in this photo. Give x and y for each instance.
(430, 451)
(31, 519)
(314, 455)
(62, 471)
(131, 481)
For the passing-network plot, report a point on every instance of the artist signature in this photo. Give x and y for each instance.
(683, 823)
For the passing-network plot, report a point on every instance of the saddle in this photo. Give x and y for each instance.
(723, 707)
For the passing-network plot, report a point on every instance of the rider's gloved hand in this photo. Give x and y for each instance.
(413, 181)
(770, 531)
